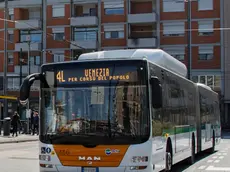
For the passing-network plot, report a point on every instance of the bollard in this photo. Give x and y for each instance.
(6, 126)
(0, 128)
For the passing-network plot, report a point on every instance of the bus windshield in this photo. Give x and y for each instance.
(93, 112)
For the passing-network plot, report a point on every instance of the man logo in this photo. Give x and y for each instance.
(89, 162)
(89, 158)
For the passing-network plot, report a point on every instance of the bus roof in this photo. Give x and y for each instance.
(156, 56)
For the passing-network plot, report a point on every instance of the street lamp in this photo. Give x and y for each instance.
(5, 80)
(189, 37)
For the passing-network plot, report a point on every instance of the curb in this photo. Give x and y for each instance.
(18, 141)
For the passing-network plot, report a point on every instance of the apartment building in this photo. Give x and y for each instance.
(77, 26)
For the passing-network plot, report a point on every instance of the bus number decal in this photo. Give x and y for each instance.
(64, 152)
(60, 76)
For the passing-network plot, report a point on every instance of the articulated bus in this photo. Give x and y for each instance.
(122, 111)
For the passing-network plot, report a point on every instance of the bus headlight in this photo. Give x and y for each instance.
(44, 157)
(136, 159)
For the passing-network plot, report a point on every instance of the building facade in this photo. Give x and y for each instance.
(75, 27)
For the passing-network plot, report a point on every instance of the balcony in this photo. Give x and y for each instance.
(84, 21)
(28, 24)
(87, 44)
(142, 42)
(142, 18)
(33, 69)
(20, 3)
(24, 46)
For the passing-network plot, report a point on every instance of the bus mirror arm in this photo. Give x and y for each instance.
(26, 85)
(156, 92)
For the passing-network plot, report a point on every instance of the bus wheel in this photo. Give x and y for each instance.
(212, 149)
(191, 159)
(168, 161)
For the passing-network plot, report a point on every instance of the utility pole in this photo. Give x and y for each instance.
(20, 80)
(5, 80)
(20, 63)
(189, 38)
(44, 33)
(28, 66)
(99, 26)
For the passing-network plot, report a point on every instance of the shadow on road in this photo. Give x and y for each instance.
(183, 165)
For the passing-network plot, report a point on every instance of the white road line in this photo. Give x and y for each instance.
(212, 168)
(216, 161)
(209, 161)
(221, 157)
(224, 153)
(214, 157)
(219, 154)
(202, 167)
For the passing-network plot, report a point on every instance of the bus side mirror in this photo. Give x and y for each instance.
(26, 85)
(156, 92)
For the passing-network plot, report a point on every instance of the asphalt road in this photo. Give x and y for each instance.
(18, 157)
(219, 161)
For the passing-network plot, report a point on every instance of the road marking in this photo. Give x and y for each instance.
(212, 168)
(209, 161)
(221, 157)
(202, 167)
(216, 161)
(224, 153)
(219, 154)
(214, 157)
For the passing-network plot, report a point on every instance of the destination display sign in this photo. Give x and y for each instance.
(103, 74)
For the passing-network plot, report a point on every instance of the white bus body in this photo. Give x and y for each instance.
(178, 130)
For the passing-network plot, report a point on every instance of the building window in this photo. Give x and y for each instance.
(58, 57)
(89, 11)
(176, 52)
(58, 10)
(35, 35)
(114, 7)
(34, 13)
(13, 83)
(205, 28)
(35, 60)
(11, 36)
(213, 81)
(11, 14)
(114, 34)
(10, 59)
(114, 11)
(85, 34)
(206, 53)
(58, 34)
(173, 29)
(179, 56)
(173, 6)
(205, 5)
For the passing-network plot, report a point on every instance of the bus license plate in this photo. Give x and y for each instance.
(87, 169)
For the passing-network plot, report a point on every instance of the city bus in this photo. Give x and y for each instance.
(121, 111)
(209, 120)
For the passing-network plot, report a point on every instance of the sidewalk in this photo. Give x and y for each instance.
(20, 138)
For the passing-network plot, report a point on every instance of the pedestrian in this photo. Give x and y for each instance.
(15, 121)
(35, 123)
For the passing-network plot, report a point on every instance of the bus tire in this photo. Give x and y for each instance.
(212, 149)
(168, 157)
(191, 159)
